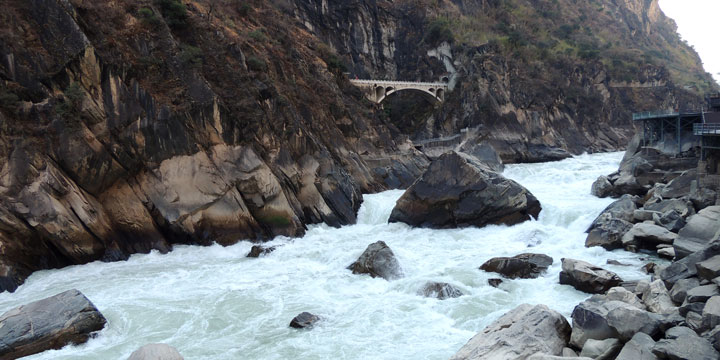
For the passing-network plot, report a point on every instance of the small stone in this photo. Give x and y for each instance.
(667, 252)
(440, 290)
(681, 287)
(601, 349)
(649, 268)
(710, 268)
(305, 320)
(258, 250)
(711, 313)
(495, 282)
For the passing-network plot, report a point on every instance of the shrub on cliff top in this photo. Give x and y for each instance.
(438, 31)
(174, 12)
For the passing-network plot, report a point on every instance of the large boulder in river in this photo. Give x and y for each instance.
(622, 209)
(608, 234)
(520, 333)
(524, 266)
(378, 260)
(51, 323)
(458, 191)
(587, 277)
(156, 352)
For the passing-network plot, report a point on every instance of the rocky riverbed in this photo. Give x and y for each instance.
(214, 303)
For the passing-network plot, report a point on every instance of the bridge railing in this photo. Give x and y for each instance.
(392, 82)
(654, 114)
(706, 129)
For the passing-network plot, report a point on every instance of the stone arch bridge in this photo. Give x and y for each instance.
(377, 90)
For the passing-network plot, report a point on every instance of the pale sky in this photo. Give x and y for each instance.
(698, 23)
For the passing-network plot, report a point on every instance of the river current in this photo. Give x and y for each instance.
(214, 303)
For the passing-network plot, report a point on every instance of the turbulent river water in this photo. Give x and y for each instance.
(213, 303)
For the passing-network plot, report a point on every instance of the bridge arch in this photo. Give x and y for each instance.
(377, 90)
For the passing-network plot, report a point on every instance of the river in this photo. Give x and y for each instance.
(213, 303)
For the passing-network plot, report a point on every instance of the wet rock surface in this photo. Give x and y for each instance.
(440, 290)
(520, 333)
(304, 320)
(378, 260)
(587, 277)
(524, 266)
(51, 323)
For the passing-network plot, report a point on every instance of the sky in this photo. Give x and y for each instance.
(697, 22)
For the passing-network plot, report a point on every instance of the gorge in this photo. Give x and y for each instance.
(147, 145)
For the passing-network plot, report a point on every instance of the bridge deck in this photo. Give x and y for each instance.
(392, 82)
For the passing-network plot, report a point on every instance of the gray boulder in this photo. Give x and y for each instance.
(671, 220)
(714, 337)
(601, 349)
(657, 298)
(622, 209)
(458, 191)
(685, 267)
(590, 320)
(304, 320)
(682, 343)
(647, 236)
(608, 234)
(678, 293)
(703, 197)
(586, 277)
(711, 313)
(627, 321)
(702, 293)
(700, 230)
(524, 266)
(51, 323)
(156, 352)
(684, 246)
(641, 215)
(602, 187)
(709, 269)
(378, 260)
(520, 333)
(638, 348)
(440, 291)
(684, 207)
(679, 186)
(626, 296)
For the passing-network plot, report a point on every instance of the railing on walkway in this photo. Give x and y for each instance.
(706, 129)
(654, 114)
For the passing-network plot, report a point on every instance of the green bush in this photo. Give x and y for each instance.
(148, 17)
(334, 63)
(191, 55)
(71, 102)
(174, 12)
(254, 63)
(258, 35)
(244, 9)
(8, 100)
(438, 31)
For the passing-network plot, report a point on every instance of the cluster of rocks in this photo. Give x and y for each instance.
(672, 226)
(60, 320)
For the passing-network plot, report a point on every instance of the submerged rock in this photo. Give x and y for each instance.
(156, 352)
(495, 282)
(258, 250)
(51, 323)
(524, 266)
(457, 191)
(587, 277)
(377, 260)
(304, 320)
(440, 290)
(520, 333)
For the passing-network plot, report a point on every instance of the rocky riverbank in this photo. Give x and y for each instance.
(676, 315)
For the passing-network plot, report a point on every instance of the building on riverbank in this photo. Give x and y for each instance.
(687, 136)
(709, 133)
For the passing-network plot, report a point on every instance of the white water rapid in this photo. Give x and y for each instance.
(213, 303)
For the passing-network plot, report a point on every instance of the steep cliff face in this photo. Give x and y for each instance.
(130, 125)
(537, 79)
